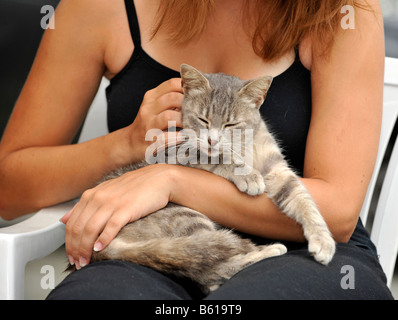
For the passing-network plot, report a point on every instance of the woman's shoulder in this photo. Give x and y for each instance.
(100, 24)
(91, 8)
(363, 22)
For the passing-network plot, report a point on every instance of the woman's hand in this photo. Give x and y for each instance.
(104, 210)
(159, 106)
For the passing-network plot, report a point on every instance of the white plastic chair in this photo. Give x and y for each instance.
(384, 232)
(42, 233)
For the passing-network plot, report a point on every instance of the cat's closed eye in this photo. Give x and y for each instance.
(204, 121)
(229, 125)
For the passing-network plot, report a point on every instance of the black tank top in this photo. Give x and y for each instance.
(287, 108)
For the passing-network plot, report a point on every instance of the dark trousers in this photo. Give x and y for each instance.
(354, 273)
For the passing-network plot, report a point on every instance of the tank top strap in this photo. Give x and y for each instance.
(133, 23)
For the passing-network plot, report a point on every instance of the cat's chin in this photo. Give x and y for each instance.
(212, 153)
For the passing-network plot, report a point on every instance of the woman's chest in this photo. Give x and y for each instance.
(219, 48)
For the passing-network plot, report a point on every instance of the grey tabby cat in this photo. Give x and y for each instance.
(184, 242)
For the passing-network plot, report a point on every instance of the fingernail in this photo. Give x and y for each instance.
(98, 246)
(71, 260)
(82, 262)
(77, 265)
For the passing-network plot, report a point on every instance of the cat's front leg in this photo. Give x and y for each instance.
(290, 195)
(245, 178)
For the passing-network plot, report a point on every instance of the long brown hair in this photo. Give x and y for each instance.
(279, 25)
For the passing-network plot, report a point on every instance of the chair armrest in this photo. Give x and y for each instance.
(41, 232)
(31, 239)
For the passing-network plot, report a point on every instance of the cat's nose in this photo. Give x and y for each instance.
(212, 142)
(213, 137)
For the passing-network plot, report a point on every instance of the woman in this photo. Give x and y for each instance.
(326, 96)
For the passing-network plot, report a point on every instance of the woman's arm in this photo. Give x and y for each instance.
(38, 167)
(35, 163)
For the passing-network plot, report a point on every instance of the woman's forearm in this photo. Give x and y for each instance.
(40, 172)
(222, 202)
(37, 177)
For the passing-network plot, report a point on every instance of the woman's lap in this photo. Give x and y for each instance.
(353, 274)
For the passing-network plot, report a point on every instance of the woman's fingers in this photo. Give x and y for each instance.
(73, 231)
(168, 101)
(169, 86)
(66, 217)
(159, 106)
(112, 227)
(165, 109)
(99, 231)
(165, 98)
(168, 118)
(85, 223)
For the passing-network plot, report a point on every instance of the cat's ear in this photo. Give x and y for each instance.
(192, 80)
(255, 91)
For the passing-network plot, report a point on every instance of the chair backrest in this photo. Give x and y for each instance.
(384, 230)
(95, 124)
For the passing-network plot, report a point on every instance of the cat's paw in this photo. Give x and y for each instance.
(322, 247)
(274, 250)
(263, 252)
(213, 287)
(253, 183)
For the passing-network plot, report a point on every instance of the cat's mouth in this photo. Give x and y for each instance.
(212, 151)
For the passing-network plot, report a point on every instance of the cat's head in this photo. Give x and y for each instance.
(221, 104)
